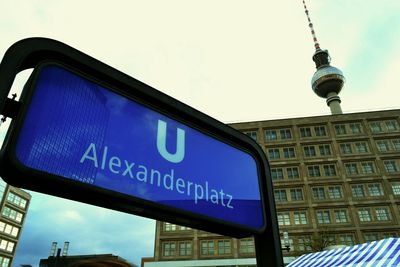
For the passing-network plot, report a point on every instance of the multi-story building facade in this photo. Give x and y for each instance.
(336, 182)
(14, 206)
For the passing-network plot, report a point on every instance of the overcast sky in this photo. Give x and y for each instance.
(233, 60)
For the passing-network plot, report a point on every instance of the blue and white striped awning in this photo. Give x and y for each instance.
(385, 252)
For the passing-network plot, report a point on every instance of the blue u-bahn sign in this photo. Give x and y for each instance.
(85, 131)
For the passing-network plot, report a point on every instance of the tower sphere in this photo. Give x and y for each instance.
(327, 79)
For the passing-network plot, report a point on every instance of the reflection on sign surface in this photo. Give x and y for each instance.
(78, 129)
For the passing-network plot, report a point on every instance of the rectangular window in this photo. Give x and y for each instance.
(288, 153)
(345, 149)
(309, 151)
(314, 171)
(277, 174)
(304, 243)
(396, 188)
(369, 237)
(252, 134)
(347, 240)
(224, 247)
(320, 130)
(325, 150)
(355, 128)
(357, 191)
(364, 215)
(293, 173)
(167, 227)
(296, 194)
(270, 135)
(283, 218)
(361, 147)
(390, 166)
(383, 145)
(368, 167)
(300, 217)
(382, 214)
(280, 195)
(340, 129)
(169, 249)
(392, 126)
(286, 134)
(335, 192)
(376, 127)
(351, 169)
(207, 247)
(273, 153)
(305, 132)
(246, 246)
(375, 190)
(341, 216)
(16, 200)
(323, 217)
(329, 170)
(319, 193)
(396, 144)
(12, 214)
(185, 248)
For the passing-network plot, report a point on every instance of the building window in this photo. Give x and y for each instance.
(270, 135)
(335, 192)
(375, 190)
(340, 129)
(168, 227)
(293, 173)
(396, 188)
(185, 248)
(383, 145)
(351, 169)
(224, 247)
(304, 243)
(369, 237)
(391, 166)
(300, 217)
(376, 127)
(9, 229)
(7, 245)
(345, 149)
(4, 261)
(357, 191)
(392, 126)
(16, 200)
(318, 193)
(364, 215)
(382, 214)
(355, 128)
(169, 249)
(273, 153)
(325, 150)
(12, 214)
(252, 134)
(309, 151)
(286, 134)
(329, 170)
(323, 217)
(347, 239)
(288, 152)
(314, 171)
(396, 144)
(361, 147)
(320, 130)
(280, 195)
(207, 247)
(283, 218)
(341, 216)
(246, 246)
(277, 174)
(296, 194)
(368, 167)
(305, 132)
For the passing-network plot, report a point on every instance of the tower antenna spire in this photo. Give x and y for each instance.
(316, 44)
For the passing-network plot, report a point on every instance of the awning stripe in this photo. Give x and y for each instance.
(378, 253)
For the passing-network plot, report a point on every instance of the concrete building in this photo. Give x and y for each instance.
(336, 182)
(14, 206)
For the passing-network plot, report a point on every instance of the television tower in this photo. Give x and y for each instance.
(327, 81)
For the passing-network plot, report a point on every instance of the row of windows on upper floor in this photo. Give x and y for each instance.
(336, 217)
(16, 200)
(325, 150)
(359, 191)
(329, 170)
(356, 128)
(208, 247)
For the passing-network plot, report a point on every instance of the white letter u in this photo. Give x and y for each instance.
(162, 143)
